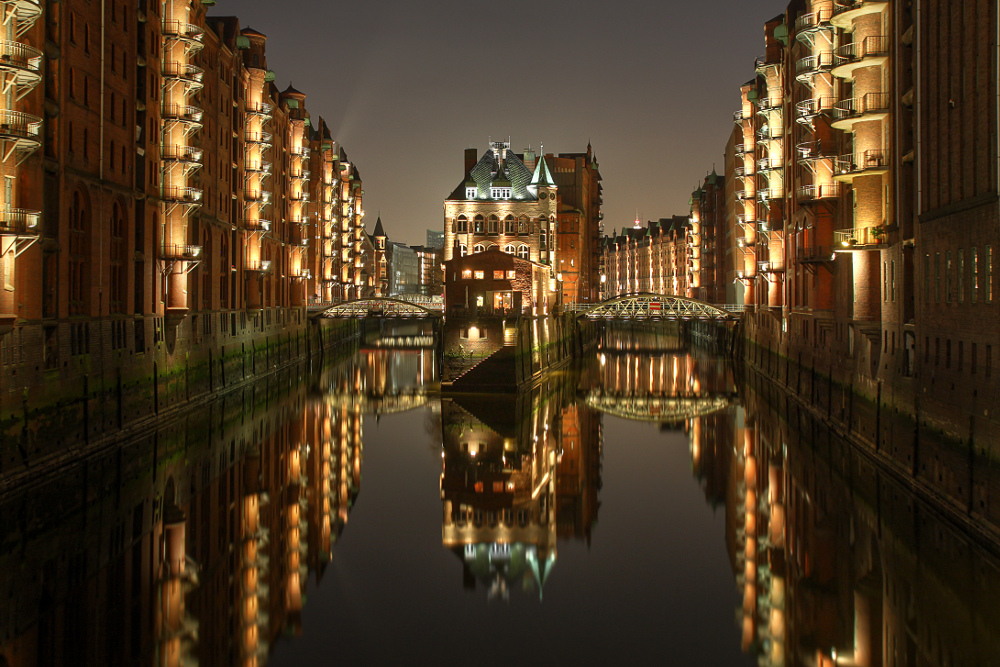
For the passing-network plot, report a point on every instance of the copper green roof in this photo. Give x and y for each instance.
(542, 177)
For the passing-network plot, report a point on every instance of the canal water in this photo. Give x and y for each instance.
(648, 504)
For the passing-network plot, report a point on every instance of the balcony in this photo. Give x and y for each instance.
(26, 12)
(258, 268)
(261, 109)
(181, 113)
(745, 196)
(809, 194)
(814, 254)
(21, 129)
(868, 107)
(807, 111)
(19, 222)
(846, 11)
(301, 175)
(175, 252)
(257, 225)
(766, 165)
(22, 62)
(302, 274)
(741, 172)
(739, 149)
(300, 197)
(807, 25)
(180, 153)
(181, 195)
(806, 69)
(259, 167)
(811, 152)
(300, 151)
(771, 109)
(258, 138)
(767, 194)
(740, 116)
(256, 196)
(866, 238)
(865, 163)
(186, 32)
(869, 52)
(766, 266)
(191, 75)
(762, 63)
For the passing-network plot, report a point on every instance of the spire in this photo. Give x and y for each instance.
(542, 176)
(378, 228)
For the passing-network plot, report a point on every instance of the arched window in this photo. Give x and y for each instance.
(522, 251)
(542, 240)
(462, 224)
(462, 250)
(478, 248)
(509, 226)
(117, 258)
(494, 224)
(522, 225)
(478, 224)
(79, 246)
(509, 248)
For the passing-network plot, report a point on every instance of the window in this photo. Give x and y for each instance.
(974, 260)
(117, 259)
(498, 275)
(988, 273)
(478, 248)
(478, 225)
(522, 225)
(79, 219)
(509, 226)
(500, 193)
(479, 275)
(462, 224)
(543, 240)
(462, 250)
(509, 248)
(511, 275)
(467, 274)
(892, 279)
(961, 275)
(947, 276)
(522, 252)
(494, 223)
(470, 192)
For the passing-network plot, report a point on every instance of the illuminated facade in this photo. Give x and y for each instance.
(864, 207)
(656, 259)
(161, 218)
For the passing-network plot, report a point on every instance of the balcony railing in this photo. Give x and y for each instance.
(259, 109)
(739, 149)
(183, 30)
(814, 64)
(870, 47)
(15, 55)
(766, 194)
(762, 62)
(258, 138)
(811, 150)
(813, 254)
(259, 267)
(183, 71)
(180, 153)
(768, 164)
(813, 21)
(845, 11)
(175, 251)
(811, 193)
(866, 236)
(854, 109)
(739, 116)
(181, 195)
(257, 225)
(19, 221)
(807, 110)
(182, 112)
(261, 167)
(876, 159)
(257, 196)
(19, 125)
(743, 195)
(767, 266)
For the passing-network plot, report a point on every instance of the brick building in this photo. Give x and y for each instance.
(865, 207)
(495, 282)
(579, 223)
(656, 259)
(163, 227)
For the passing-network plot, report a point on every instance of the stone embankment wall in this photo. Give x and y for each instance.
(101, 393)
(948, 450)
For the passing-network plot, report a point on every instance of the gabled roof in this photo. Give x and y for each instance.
(511, 173)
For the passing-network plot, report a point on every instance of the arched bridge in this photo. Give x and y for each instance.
(653, 307)
(381, 308)
(381, 404)
(656, 408)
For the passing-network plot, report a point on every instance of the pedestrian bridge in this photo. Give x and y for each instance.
(654, 307)
(380, 404)
(382, 308)
(656, 408)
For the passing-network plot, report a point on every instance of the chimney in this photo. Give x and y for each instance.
(471, 158)
(529, 159)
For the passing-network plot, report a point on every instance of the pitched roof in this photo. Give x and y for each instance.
(378, 228)
(489, 171)
(542, 176)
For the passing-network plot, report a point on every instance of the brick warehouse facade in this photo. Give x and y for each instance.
(865, 207)
(168, 214)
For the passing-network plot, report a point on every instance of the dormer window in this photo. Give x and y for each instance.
(500, 193)
(470, 191)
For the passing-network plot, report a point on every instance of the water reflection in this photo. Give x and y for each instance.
(201, 543)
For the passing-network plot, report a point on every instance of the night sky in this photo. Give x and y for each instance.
(407, 86)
